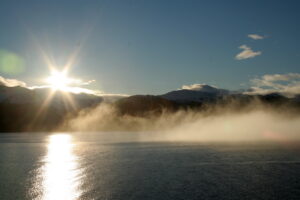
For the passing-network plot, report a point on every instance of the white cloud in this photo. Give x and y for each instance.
(287, 84)
(79, 82)
(256, 36)
(87, 82)
(11, 82)
(247, 53)
(197, 86)
(281, 77)
(73, 88)
(205, 88)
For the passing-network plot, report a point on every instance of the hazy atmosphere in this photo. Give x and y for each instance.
(158, 45)
(149, 99)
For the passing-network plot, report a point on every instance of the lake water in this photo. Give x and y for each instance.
(120, 166)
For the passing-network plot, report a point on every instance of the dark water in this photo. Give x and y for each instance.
(101, 166)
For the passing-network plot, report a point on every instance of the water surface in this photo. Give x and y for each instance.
(120, 166)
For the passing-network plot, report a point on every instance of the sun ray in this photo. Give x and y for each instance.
(42, 108)
(71, 60)
(59, 82)
(58, 85)
(69, 101)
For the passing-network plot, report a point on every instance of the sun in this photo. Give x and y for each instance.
(59, 80)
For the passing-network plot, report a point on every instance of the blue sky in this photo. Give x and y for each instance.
(152, 46)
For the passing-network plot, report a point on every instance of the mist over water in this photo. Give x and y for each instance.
(253, 123)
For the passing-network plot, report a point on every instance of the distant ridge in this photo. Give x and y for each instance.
(204, 93)
(22, 109)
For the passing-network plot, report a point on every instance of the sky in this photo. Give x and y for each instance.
(150, 46)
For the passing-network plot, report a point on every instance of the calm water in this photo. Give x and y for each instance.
(102, 166)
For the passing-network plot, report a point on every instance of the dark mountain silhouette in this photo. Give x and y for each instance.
(145, 105)
(22, 109)
(205, 93)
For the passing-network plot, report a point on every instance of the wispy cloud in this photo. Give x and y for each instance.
(288, 84)
(11, 82)
(73, 88)
(256, 36)
(196, 86)
(87, 82)
(247, 53)
(79, 82)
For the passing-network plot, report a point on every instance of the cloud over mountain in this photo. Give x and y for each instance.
(197, 86)
(204, 88)
(288, 84)
(74, 88)
(11, 82)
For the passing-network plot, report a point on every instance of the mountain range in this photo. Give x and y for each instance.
(23, 109)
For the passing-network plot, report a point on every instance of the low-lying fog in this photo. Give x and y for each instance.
(256, 123)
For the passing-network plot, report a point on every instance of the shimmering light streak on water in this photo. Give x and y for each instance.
(60, 171)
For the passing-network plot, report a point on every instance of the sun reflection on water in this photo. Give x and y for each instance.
(60, 174)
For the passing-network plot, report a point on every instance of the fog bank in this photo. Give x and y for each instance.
(221, 124)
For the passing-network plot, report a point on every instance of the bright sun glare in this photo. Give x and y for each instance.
(59, 80)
